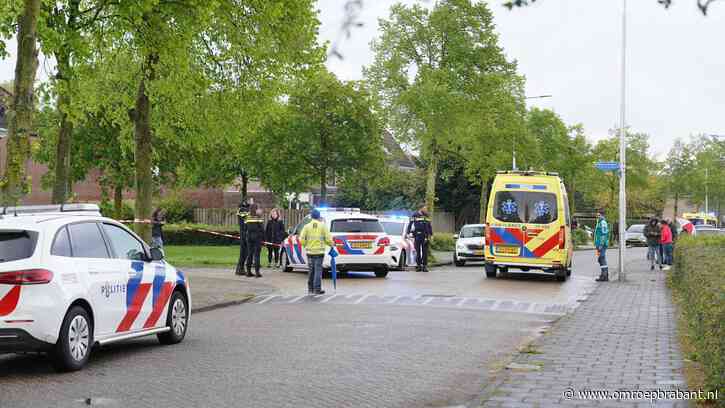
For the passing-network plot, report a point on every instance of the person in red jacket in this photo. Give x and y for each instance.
(666, 242)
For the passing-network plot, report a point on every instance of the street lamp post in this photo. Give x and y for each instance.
(623, 151)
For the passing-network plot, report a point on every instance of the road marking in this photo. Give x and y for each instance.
(361, 299)
(460, 302)
(329, 298)
(267, 299)
(425, 302)
(296, 299)
(395, 299)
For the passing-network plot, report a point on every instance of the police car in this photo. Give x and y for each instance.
(71, 279)
(360, 241)
(402, 248)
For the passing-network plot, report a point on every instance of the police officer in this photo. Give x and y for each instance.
(422, 232)
(242, 215)
(255, 238)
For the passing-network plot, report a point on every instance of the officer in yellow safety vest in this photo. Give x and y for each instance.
(315, 237)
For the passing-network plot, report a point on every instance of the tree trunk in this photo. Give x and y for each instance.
(118, 201)
(483, 201)
(65, 133)
(144, 150)
(431, 177)
(22, 108)
(677, 205)
(243, 187)
(323, 186)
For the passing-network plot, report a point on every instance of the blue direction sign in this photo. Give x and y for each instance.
(607, 166)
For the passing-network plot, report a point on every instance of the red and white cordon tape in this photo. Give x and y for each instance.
(199, 230)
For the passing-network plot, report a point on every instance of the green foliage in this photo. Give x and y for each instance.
(381, 189)
(698, 281)
(444, 83)
(442, 242)
(580, 237)
(108, 210)
(214, 256)
(177, 208)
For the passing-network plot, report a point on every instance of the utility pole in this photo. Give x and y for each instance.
(707, 192)
(623, 151)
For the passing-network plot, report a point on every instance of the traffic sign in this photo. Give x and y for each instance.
(607, 166)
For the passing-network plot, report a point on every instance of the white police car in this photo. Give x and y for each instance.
(470, 243)
(71, 279)
(360, 241)
(402, 248)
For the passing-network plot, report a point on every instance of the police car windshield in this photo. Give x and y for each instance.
(15, 245)
(636, 228)
(471, 232)
(526, 207)
(393, 228)
(356, 225)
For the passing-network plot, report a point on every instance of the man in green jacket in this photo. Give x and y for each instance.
(601, 242)
(315, 237)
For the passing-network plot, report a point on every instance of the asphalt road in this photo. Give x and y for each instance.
(301, 353)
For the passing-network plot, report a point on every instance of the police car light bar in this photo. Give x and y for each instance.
(338, 209)
(55, 208)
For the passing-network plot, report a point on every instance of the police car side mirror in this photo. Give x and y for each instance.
(455, 236)
(157, 254)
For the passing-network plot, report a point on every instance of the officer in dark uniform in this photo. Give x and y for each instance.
(422, 232)
(242, 215)
(255, 238)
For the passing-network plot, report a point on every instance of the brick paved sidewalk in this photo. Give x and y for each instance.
(621, 338)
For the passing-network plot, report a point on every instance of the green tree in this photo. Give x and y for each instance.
(679, 170)
(332, 129)
(22, 106)
(432, 66)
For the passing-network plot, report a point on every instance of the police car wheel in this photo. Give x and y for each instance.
(73, 348)
(381, 273)
(177, 319)
(457, 261)
(490, 271)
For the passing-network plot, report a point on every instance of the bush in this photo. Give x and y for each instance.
(177, 209)
(580, 237)
(698, 281)
(127, 211)
(442, 242)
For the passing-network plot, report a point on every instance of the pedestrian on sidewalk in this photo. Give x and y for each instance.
(242, 214)
(255, 238)
(158, 219)
(666, 242)
(274, 234)
(601, 243)
(653, 233)
(315, 237)
(422, 231)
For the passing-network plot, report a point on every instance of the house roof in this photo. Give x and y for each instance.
(396, 155)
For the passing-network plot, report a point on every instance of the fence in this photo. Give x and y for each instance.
(442, 221)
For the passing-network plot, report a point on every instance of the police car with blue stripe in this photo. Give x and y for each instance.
(360, 241)
(71, 279)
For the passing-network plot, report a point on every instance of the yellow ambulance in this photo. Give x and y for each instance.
(528, 224)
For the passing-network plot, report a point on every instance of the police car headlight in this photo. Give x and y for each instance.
(461, 247)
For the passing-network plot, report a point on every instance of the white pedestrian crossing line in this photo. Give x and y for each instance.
(462, 302)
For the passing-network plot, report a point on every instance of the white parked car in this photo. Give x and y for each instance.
(470, 243)
(635, 235)
(71, 279)
(402, 248)
(360, 241)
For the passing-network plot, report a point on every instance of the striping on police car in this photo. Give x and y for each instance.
(71, 279)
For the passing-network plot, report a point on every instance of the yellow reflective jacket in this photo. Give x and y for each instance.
(315, 237)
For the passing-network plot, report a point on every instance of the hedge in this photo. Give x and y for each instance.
(698, 282)
(443, 242)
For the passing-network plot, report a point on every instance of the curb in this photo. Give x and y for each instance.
(222, 305)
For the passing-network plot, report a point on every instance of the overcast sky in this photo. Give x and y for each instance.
(571, 50)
